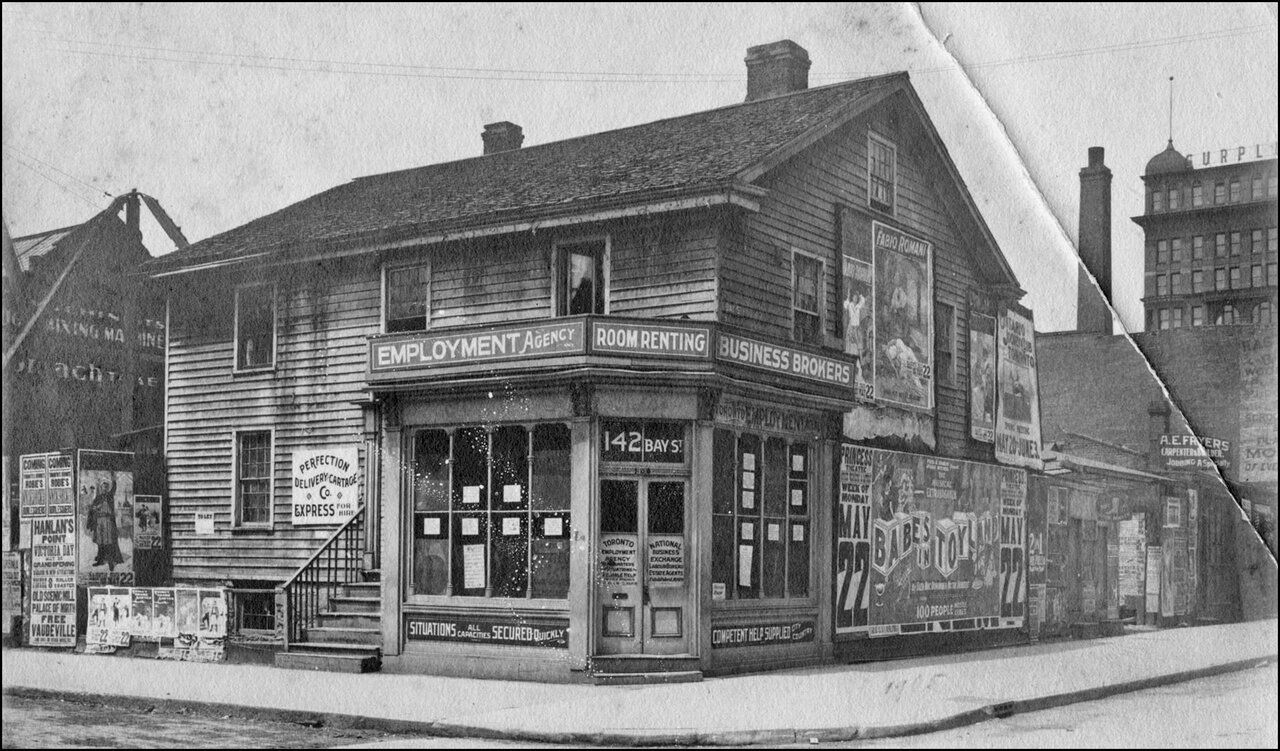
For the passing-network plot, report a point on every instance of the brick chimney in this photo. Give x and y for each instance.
(1093, 313)
(503, 136)
(776, 68)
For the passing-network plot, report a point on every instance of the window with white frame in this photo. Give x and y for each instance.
(581, 276)
(253, 478)
(882, 165)
(255, 327)
(806, 298)
(407, 291)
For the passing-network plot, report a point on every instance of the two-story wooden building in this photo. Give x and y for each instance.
(584, 406)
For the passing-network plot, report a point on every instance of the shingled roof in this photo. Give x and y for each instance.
(676, 156)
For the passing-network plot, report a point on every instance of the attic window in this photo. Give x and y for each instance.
(255, 327)
(882, 164)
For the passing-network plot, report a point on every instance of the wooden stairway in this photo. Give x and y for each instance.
(347, 637)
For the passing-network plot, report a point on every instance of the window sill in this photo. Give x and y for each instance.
(253, 529)
(250, 371)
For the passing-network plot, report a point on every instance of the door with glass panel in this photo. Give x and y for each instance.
(642, 578)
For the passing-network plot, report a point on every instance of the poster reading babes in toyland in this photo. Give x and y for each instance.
(928, 544)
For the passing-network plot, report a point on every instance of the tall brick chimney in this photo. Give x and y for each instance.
(1093, 313)
(503, 136)
(776, 68)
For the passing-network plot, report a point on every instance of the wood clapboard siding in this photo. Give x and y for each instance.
(800, 213)
(488, 282)
(665, 270)
(324, 317)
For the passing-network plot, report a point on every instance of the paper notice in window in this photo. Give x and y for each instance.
(745, 552)
(511, 494)
(797, 496)
(511, 526)
(775, 532)
(797, 533)
(748, 530)
(472, 566)
(718, 590)
(553, 527)
(471, 493)
(431, 525)
(749, 462)
(470, 527)
(748, 499)
(797, 462)
(749, 479)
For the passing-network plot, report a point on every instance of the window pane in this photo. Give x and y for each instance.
(723, 552)
(470, 468)
(407, 291)
(618, 507)
(549, 556)
(470, 555)
(775, 477)
(255, 326)
(510, 469)
(773, 558)
(581, 270)
(551, 487)
(798, 560)
(431, 471)
(723, 468)
(749, 464)
(666, 508)
(509, 540)
(254, 477)
(431, 554)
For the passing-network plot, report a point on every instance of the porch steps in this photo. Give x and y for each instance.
(347, 635)
(625, 670)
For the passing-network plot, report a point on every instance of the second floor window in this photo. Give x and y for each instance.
(1219, 193)
(253, 477)
(1197, 195)
(1255, 241)
(1235, 277)
(1175, 283)
(255, 327)
(1255, 275)
(1175, 250)
(580, 273)
(1197, 247)
(1235, 243)
(1197, 315)
(1162, 285)
(806, 298)
(1235, 190)
(407, 293)
(1219, 278)
(1197, 281)
(1162, 251)
(945, 337)
(1220, 244)
(881, 168)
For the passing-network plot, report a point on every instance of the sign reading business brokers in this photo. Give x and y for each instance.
(326, 485)
(520, 632)
(1018, 397)
(783, 360)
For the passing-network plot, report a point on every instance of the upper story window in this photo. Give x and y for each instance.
(1271, 186)
(255, 327)
(1177, 318)
(1235, 190)
(1197, 281)
(1157, 200)
(1220, 244)
(581, 276)
(1175, 283)
(1162, 285)
(1175, 250)
(1255, 241)
(1164, 319)
(407, 297)
(1235, 277)
(1219, 193)
(1256, 192)
(1271, 239)
(1255, 275)
(1235, 243)
(806, 298)
(882, 165)
(1162, 251)
(1219, 278)
(253, 477)
(1271, 275)
(1197, 247)
(944, 321)
(1197, 315)
(1197, 195)
(1174, 195)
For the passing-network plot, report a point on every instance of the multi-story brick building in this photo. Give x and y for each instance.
(1210, 244)
(675, 397)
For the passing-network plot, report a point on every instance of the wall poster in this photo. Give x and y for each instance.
(105, 507)
(148, 531)
(46, 501)
(1018, 400)
(927, 544)
(982, 377)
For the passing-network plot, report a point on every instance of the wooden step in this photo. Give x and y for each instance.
(372, 575)
(356, 604)
(344, 635)
(635, 679)
(360, 589)
(335, 663)
(347, 619)
(336, 648)
(643, 664)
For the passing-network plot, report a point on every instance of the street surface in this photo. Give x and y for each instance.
(1236, 710)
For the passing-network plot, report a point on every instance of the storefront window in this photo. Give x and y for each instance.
(760, 517)
(491, 512)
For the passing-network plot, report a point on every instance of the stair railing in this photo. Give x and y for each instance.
(338, 561)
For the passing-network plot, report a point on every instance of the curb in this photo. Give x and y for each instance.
(644, 739)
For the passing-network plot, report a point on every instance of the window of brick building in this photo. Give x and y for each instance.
(1164, 319)
(1235, 277)
(1197, 195)
(1175, 250)
(1220, 279)
(1162, 251)
(1197, 315)
(1256, 194)
(1255, 241)
(1197, 281)
(1197, 247)
(1162, 285)
(1177, 318)
(1219, 193)
(1175, 283)
(1157, 200)
(1235, 190)
(1236, 243)
(1255, 276)
(1174, 198)
(1220, 245)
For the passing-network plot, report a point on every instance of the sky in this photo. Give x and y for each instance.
(226, 113)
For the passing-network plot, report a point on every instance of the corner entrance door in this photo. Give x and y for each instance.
(642, 573)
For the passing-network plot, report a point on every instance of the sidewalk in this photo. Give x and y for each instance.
(828, 703)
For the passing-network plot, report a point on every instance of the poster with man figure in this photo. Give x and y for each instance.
(903, 302)
(982, 377)
(105, 515)
(1018, 402)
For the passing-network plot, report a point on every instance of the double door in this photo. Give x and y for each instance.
(643, 568)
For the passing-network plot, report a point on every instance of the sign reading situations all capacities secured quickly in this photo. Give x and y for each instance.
(326, 485)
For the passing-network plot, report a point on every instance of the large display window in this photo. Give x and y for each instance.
(491, 511)
(761, 541)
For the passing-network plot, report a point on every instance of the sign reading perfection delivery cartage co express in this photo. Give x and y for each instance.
(483, 346)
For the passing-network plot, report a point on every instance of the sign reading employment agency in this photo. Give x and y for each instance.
(489, 345)
(326, 485)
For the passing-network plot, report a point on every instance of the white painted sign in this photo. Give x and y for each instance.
(326, 485)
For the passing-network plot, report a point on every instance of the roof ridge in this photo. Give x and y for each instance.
(748, 103)
(48, 232)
